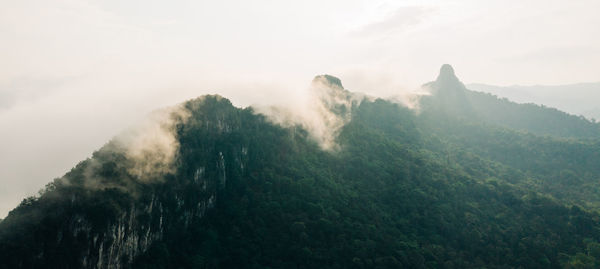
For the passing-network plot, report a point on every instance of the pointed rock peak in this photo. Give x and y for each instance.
(446, 70)
(328, 80)
(447, 73)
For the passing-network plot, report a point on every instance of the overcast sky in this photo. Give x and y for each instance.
(73, 73)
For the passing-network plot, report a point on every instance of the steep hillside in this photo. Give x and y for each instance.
(534, 140)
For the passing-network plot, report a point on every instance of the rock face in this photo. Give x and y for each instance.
(328, 79)
(122, 240)
(133, 231)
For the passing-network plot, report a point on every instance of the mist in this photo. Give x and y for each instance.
(152, 146)
(322, 111)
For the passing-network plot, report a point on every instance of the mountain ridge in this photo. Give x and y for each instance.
(435, 188)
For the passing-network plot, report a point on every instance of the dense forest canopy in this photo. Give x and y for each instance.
(466, 181)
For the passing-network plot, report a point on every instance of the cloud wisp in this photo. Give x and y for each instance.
(323, 111)
(152, 146)
(144, 153)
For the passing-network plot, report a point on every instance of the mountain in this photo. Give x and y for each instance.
(210, 185)
(576, 99)
(558, 151)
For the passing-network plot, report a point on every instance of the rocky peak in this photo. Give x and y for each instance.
(446, 83)
(447, 75)
(448, 93)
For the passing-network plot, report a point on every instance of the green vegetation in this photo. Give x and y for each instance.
(442, 188)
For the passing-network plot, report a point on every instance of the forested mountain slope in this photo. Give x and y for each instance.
(537, 141)
(434, 188)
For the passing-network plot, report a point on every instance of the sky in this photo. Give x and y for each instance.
(74, 73)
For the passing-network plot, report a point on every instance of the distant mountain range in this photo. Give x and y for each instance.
(578, 99)
(466, 180)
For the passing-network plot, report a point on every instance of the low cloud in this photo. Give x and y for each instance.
(410, 100)
(324, 107)
(386, 85)
(144, 153)
(323, 111)
(151, 147)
